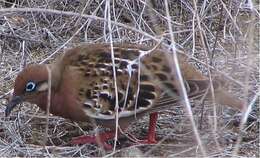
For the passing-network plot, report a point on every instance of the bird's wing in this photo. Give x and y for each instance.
(145, 79)
(136, 92)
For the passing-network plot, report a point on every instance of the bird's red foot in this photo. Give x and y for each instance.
(100, 139)
(150, 139)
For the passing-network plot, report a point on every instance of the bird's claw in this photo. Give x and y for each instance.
(100, 140)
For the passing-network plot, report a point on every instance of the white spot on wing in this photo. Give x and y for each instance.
(89, 102)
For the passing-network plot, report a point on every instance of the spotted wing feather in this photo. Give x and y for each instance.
(142, 80)
(96, 88)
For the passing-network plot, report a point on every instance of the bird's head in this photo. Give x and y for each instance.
(30, 83)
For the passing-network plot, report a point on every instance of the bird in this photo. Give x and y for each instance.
(99, 83)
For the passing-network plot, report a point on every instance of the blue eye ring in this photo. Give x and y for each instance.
(30, 86)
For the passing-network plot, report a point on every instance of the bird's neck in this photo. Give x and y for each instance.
(56, 76)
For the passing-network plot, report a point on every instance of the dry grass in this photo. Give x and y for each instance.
(221, 35)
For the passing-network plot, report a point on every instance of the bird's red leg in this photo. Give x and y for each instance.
(100, 139)
(152, 127)
(151, 131)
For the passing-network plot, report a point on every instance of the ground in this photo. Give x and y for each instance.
(38, 31)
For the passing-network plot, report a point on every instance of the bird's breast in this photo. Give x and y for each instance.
(65, 101)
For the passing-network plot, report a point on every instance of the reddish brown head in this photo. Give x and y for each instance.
(29, 85)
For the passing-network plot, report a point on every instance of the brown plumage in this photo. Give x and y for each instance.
(83, 85)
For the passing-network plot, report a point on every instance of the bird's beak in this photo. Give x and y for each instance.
(13, 102)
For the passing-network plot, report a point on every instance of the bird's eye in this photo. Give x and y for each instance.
(30, 86)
